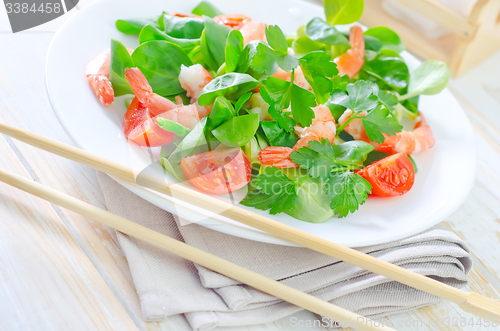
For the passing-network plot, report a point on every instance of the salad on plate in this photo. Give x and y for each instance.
(311, 123)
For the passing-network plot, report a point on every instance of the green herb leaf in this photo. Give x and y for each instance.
(183, 27)
(222, 110)
(388, 38)
(302, 102)
(173, 127)
(213, 43)
(234, 48)
(174, 169)
(319, 30)
(321, 158)
(232, 85)
(304, 45)
(317, 68)
(348, 191)
(275, 192)
(237, 130)
(241, 101)
(149, 33)
(362, 95)
(312, 204)
(276, 102)
(372, 44)
(343, 11)
(374, 156)
(431, 77)
(277, 136)
(193, 139)
(388, 68)
(388, 99)
(134, 26)
(120, 60)
(380, 120)
(277, 92)
(247, 55)
(267, 60)
(207, 9)
(160, 62)
(276, 39)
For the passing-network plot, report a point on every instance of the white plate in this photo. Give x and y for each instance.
(446, 172)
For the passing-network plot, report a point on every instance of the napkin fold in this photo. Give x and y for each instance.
(169, 285)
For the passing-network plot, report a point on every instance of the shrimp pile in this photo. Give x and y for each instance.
(322, 127)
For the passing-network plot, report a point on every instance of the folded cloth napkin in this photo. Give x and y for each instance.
(168, 285)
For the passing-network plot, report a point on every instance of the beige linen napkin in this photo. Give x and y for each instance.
(168, 285)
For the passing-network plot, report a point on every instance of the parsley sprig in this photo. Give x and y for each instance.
(365, 96)
(334, 165)
(321, 158)
(268, 59)
(348, 191)
(275, 191)
(280, 95)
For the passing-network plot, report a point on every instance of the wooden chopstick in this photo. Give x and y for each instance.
(470, 302)
(193, 254)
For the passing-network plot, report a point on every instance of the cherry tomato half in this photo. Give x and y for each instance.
(219, 171)
(235, 21)
(391, 176)
(143, 130)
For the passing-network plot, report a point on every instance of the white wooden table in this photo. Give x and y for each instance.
(60, 271)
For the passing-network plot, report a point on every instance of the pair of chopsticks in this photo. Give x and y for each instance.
(470, 302)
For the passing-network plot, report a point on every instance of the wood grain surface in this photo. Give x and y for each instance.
(60, 271)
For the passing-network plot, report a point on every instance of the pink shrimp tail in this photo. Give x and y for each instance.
(277, 156)
(155, 103)
(409, 142)
(139, 84)
(102, 88)
(351, 62)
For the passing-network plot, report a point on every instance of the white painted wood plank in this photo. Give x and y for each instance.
(46, 281)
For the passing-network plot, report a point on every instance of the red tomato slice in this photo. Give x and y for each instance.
(219, 171)
(391, 176)
(143, 130)
(235, 21)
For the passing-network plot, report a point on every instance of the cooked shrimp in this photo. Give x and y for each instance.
(277, 156)
(235, 21)
(185, 115)
(351, 62)
(322, 127)
(253, 31)
(408, 142)
(355, 127)
(156, 104)
(98, 76)
(298, 79)
(193, 79)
